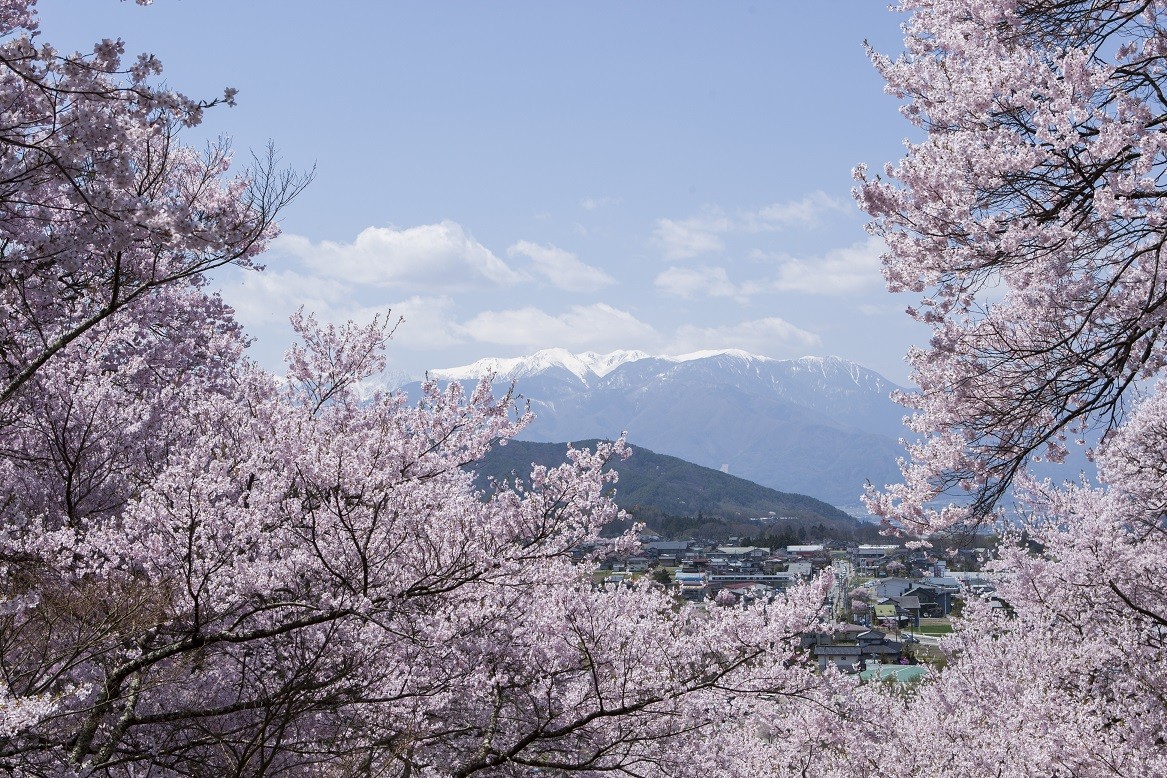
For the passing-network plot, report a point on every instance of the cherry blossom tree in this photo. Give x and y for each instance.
(308, 581)
(101, 202)
(206, 569)
(1030, 218)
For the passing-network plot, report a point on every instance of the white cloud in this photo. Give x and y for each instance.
(844, 271)
(561, 268)
(268, 297)
(796, 213)
(688, 282)
(772, 336)
(596, 327)
(690, 237)
(427, 257)
(685, 238)
(428, 324)
(849, 270)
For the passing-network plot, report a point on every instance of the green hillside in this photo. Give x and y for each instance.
(676, 497)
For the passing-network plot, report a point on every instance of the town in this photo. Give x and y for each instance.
(889, 604)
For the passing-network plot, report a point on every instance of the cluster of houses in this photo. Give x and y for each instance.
(899, 587)
(704, 569)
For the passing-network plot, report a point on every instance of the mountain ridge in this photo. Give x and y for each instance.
(598, 365)
(664, 491)
(821, 426)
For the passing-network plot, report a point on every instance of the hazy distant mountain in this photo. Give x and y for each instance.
(815, 426)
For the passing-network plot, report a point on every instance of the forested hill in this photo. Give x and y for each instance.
(655, 486)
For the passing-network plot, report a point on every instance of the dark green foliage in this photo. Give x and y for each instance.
(680, 499)
(799, 531)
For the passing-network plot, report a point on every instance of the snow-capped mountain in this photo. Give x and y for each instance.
(585, 366)
(820, 426)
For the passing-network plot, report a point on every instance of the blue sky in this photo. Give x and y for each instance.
(513, 176)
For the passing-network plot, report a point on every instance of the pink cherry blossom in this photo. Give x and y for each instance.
(1030, 220)
(206, 569)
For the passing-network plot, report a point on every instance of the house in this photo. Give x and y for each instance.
(851, 648)
(884, 651)
(661, 547)
(946, 582)
(844, 657)
(636, 564)
(932, 601)
(909, 605)
(848, 633)
(892, 587)
(803, 568)
(691, 585)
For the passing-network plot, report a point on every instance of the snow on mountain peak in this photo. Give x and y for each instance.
(586, 365)
(590, 365)
(736, 353)
(602, 364)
